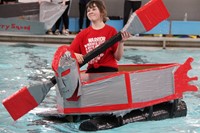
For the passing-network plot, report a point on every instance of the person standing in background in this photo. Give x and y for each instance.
(82, 12)
(65, 17)
(130, 5)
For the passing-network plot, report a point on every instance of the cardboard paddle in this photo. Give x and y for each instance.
(142, 20)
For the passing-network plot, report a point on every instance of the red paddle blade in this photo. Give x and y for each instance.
(147, 17)
(152, 14)
(26, 99)
(19, 103)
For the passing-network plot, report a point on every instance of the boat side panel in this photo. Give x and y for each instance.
(104, 95)
(104, 92)
(151, 85)
(108, 92)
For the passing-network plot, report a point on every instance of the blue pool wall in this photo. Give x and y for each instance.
(173, 27)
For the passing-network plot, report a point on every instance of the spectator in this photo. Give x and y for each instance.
(64, 17)
(130, 5)
(82, 12)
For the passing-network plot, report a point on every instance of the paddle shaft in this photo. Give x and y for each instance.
(95, 52)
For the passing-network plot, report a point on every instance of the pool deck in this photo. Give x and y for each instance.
(135, 41)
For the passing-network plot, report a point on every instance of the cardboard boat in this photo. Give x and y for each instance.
(135, 93)
(135, 87)
(29, 97)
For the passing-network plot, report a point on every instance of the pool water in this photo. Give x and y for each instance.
(24, 64)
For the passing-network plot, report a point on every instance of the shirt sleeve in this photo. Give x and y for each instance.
(75, 45)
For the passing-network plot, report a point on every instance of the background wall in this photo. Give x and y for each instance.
(177, 8)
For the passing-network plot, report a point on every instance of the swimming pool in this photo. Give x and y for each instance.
(22, 64)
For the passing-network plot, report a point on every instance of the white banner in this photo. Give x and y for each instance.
(50, 13)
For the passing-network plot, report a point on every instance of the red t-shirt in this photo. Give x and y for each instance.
(89, 39)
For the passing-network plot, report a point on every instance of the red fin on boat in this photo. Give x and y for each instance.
(182, 81)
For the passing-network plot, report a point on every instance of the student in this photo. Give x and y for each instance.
(96, 34)
(130, 5)
(82, 11)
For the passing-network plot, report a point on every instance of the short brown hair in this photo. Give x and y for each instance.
(100, 5)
